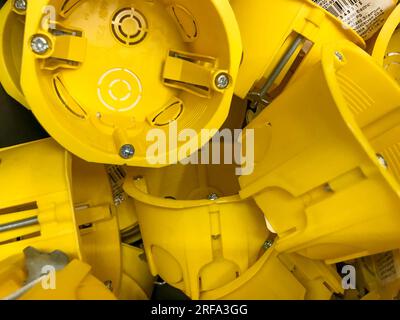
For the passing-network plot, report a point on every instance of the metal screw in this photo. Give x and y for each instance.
(339, 55)
(268, 244)
(213, 197)
(127, 151)
(382, 161)
(222, 81)
(40, 44)
(20, 5)
(328, 188)
(119, 199)
(138, 178)
(109, 285)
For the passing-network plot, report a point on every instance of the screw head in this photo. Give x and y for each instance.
(109, 285)
(119, 199)
(339, 55)
(222, 81)
(382, 161)
(328, 188)
(20, 5)
(40, 44)
(268, 244)
(127, 151)
(213, 196)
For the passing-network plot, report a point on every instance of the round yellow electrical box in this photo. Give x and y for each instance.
(100, 78)
(12, 26)
(281, 277)
(327, 167)
(282, 39)
(387, 46)
(74, 282)
(198, 235)
(55, 201)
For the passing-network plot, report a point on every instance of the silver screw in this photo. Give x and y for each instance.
(268, 244)
(213, 197)
(40, 44)
(127, 151)
(339, 55)
(109, 285)
(119, 199)
(20, 5)
(222, 81)
(382, 161)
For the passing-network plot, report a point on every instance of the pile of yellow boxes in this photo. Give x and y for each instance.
(225, 149)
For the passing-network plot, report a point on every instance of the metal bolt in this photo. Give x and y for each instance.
(382, 161)
(222, 81)
(20, 5)
(213, 197)
(339, 55)
(268, 244)
(40, 44)
(127, 151)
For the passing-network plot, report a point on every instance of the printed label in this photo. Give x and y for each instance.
(366, 17)
(387, 266)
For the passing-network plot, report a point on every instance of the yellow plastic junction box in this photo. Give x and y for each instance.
(326, 159)
(387, 46)
(198, 235)
(96, 216)
(137, 282)
(36, 206)
(55, 201)
(281, 39)
(12, 26)
(101, 78)
(74, 282)
(281, 277)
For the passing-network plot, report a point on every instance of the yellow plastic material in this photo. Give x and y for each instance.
(387, 46)
(74, 282)
(12, 25)
(12, 275)
(269, 28)
(36, 182)
(326, 159)
(114, 72)
(137, 283)
(72, 200)
(193, 243)
(281, 277)
(96, 217)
